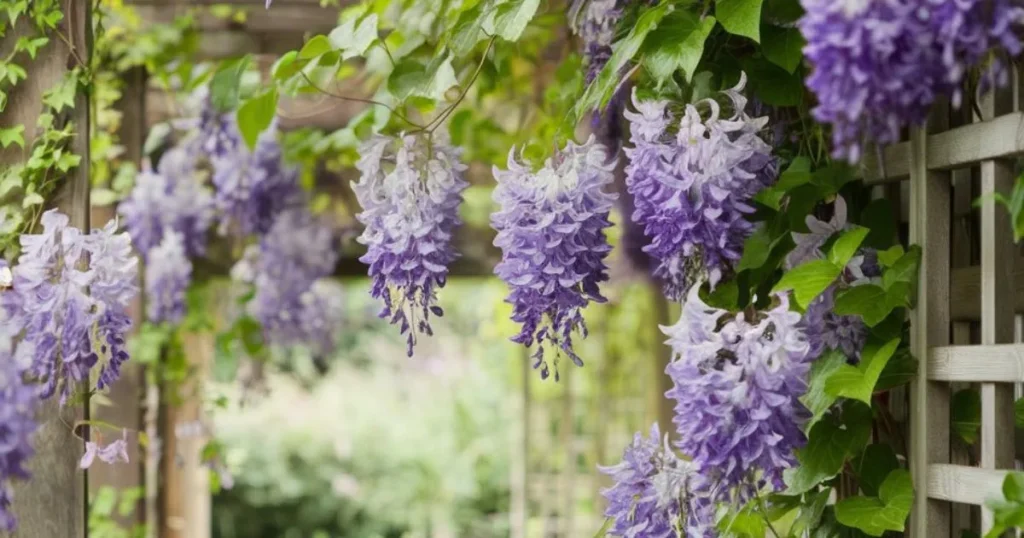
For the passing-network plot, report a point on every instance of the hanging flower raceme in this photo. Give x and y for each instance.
(73, 291)
(171, 198)
(410, 189)
(737, 380)
(253, 188)
(551, 233)
(879, 65)
(168, 273)
(17, 406)
(298, 250)
(692, 180)
(594, 21)
(321, 316)
(652, 492)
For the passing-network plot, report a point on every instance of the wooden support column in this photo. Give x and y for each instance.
(123, 406)
(53, 502)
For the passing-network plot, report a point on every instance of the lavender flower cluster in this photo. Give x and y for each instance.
(63, 312)
(652, 491)
(879, 65)
(551, 232)
(737, 381)
(594, 21)
(692, 181)
(410, 189)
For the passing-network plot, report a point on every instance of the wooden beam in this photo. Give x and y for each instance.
(965, 291)
(53, 502)
(963, 484)
(1001, 363)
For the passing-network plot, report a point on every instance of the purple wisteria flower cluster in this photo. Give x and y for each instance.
(73, 292)
(824, 328)
(737, 380)
(551, 233)
(879, 65)
(297, 252)
(594, 21)
(63, 312)
(167, 277)
(17, 405)
(409, 189)
(692, 180)
(652, 493)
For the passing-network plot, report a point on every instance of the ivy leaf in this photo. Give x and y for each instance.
(846, 246)
(858, 382)
(868, 301)
(412, 78)
(676, 44)
(817, 399)
(225, 86)
(740, 17)
(829, 445)
(808, 280)
(1008, 513)
(783, 46)
(62, 95)
(255, 115)
(810, 513)
(965, 414)
(901, 369)
(756, 249)
(874, 465)
(887, 512)
(773, 84)
(904, 270)
(13, 135)
(511, 18)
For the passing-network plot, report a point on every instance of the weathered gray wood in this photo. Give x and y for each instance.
(962, 484)
(929, 434)
(53, 502)
(997, 138)
(965, 291)
(997, 320)
(1003, 363)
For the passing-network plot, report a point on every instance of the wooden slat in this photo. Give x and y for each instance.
(965, 291)
(997, 138)
(997, 320)
(1003, 363)
(962, 484)
(930, 194)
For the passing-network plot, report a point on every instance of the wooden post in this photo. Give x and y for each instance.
(53, 502)
(125, 396)
(519, 456)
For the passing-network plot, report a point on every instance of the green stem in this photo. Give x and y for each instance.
(361, 100)
(436, 122)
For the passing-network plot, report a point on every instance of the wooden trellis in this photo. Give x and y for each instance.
(971, 306)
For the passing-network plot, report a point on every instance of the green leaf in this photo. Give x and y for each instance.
(887, 512)
(817, 399)
(353, 37)
(31, 199)
(512, 17)
(868, 301)
(890, 256)
(412, 78)
(901, 369)
(878, 216)
(965, 414)
(1009, 513)
(756, 250)
(255, 115)
(828, 447)
(13, 135)
(1018, 412)
(63, 94)
(810, 513)
(904, 270)
(740, 17)
(808, 280)
(676, 44)
(783, 46)
(846, 246)
(798, 173)
(225, 86)
(466, 32)
(601, 89)
(858, 382)
(874, 465)
(286, 66)
(316, 46)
